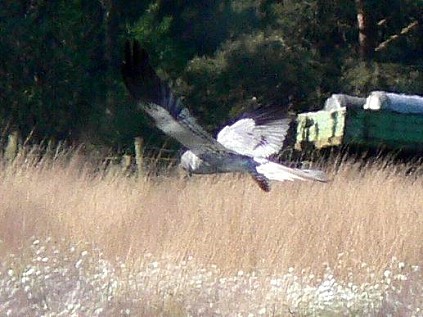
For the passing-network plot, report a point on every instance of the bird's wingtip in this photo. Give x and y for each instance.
(317, 175)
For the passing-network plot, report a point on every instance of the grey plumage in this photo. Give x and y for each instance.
(243, 146)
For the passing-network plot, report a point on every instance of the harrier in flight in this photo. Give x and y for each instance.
(244, 146)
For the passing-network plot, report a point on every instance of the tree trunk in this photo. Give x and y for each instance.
(111, 31)
(367, 30)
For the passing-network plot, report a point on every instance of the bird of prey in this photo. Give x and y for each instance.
(243, 146)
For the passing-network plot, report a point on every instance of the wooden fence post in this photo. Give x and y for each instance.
(126, 162)
(138, 143)
(11, 149)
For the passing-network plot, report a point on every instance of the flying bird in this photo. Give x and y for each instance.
(244, 146)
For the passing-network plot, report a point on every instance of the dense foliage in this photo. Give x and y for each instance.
(60, 76)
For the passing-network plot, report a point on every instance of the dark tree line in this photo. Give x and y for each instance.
(60, 74)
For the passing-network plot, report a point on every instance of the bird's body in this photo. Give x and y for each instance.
(225, 163)
(243, 146)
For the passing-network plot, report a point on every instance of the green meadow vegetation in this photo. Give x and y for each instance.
(79, 240)
(60, 72)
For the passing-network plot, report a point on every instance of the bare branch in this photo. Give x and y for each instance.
(394, 37)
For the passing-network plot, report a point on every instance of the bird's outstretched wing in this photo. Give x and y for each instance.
(156, 98)
(260, 133)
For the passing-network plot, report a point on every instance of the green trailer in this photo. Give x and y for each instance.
(386, 129)
(320, 129)
(352, 124)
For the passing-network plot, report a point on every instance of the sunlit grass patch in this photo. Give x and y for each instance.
(81, 240)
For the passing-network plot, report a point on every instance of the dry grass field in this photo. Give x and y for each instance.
(78, 242)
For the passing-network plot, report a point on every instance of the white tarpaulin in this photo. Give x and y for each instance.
(340, 101)
(380, 100)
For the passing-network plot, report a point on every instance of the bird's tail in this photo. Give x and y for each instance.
(279, 172)
(262, 181)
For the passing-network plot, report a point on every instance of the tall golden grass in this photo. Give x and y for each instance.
(365, 214)
(369, 213)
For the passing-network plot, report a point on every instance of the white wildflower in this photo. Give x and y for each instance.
(29, 272)
(78, 263)
(69, 307)
(401, 277)
(276, 282)
(99, 310)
